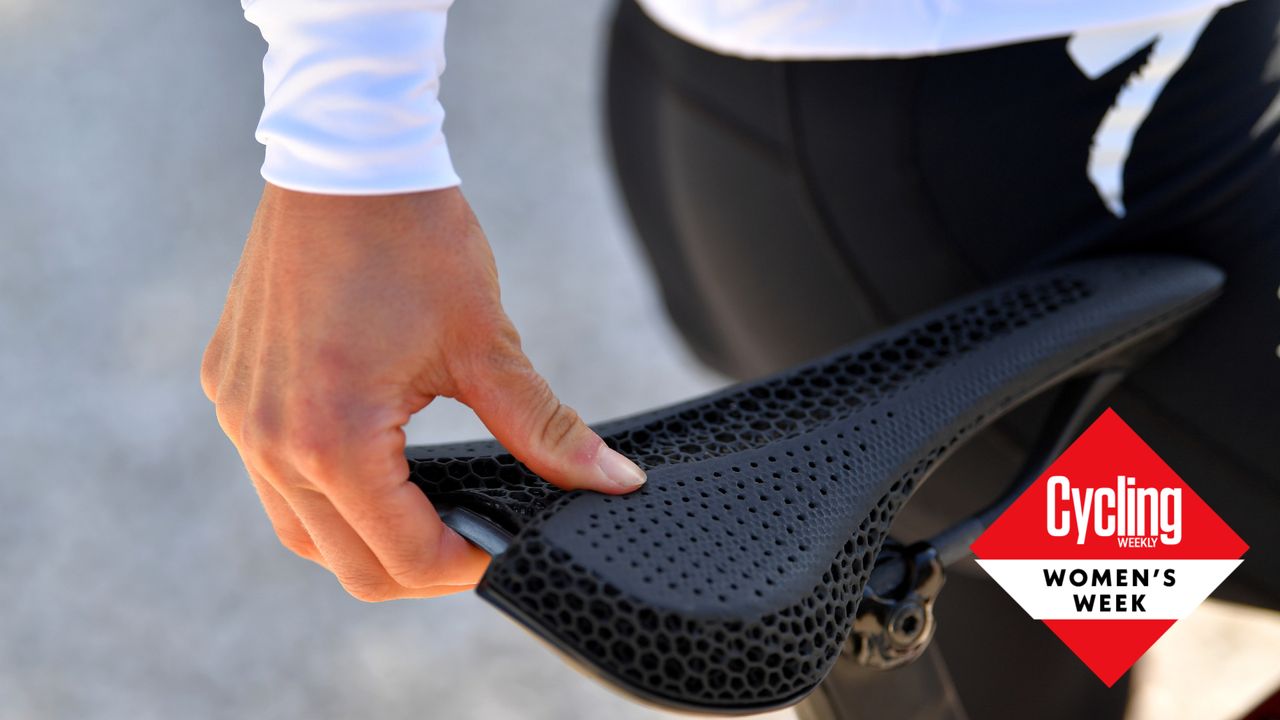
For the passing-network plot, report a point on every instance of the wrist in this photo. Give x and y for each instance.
(316, 220)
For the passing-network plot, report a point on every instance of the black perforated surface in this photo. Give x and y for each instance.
(734, 421)
(728, 582)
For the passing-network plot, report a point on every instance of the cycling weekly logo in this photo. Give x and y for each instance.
(1109, 548)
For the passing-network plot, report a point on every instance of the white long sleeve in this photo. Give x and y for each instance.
(350, 88)
(351, 85)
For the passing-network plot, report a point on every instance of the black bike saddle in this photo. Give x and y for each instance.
(728, 583)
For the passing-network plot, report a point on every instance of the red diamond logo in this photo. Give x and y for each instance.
(1109, 547)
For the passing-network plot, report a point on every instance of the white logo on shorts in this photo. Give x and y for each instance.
(1097, 51)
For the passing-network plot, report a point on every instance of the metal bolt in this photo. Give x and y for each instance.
(907, 623)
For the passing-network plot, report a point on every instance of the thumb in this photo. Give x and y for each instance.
(517, 405)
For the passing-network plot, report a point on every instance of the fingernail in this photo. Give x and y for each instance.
(618, 469)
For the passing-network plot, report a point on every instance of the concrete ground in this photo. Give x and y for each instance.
(140, 578)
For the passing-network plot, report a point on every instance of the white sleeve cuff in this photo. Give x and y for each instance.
(351, 95)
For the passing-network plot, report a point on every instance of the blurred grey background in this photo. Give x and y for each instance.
(140, 577)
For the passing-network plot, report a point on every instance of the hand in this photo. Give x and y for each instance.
(346, 316)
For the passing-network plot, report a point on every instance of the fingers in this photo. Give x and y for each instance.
(408, 539)
(284, 521)
(349, 557)
(517, 405)
(370, 489)
(339, 495)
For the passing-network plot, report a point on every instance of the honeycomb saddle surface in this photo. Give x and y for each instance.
(728, 583)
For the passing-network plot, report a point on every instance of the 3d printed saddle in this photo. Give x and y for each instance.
(729, 582)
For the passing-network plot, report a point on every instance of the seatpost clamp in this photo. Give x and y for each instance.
(895, 621)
